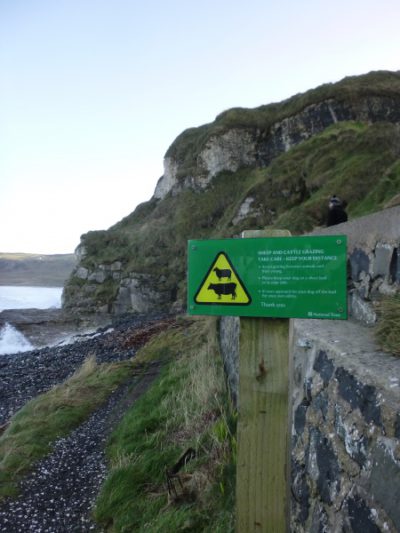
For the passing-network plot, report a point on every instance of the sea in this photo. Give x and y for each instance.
(12, 340)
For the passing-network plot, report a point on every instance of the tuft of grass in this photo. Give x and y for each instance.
(186, 408)
(54, 414)
(387, 329)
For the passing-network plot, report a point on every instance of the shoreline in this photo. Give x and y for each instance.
(25, 375)
(49, 327)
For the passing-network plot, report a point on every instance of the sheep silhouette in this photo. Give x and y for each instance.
(223, 289)
(223, 272)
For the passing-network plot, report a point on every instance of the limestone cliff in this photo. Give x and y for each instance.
(257, 147)
(274, 165)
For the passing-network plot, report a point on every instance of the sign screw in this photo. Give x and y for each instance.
(194, 247)
(340, 309)
(339, 241)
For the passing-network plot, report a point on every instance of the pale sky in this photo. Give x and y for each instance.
(93, 92)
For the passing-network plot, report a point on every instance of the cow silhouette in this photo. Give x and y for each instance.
(223, 272)
(223, 289)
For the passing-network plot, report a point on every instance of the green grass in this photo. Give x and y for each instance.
(387, 329)
(186, 407)
(52, 415)
(358, 162)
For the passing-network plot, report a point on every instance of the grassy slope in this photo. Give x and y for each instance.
(359, 162)
(187, 407)
(35, 269)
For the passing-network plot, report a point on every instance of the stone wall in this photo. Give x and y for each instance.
(346, 396)
(345, 431)
(373, 260)
(345, 470)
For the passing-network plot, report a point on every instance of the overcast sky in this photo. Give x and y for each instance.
(93, 92)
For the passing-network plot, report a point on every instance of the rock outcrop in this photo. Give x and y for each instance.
(243, 147)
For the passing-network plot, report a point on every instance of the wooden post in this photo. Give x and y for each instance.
(262, 487)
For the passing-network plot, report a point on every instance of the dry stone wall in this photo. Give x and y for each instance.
(373, 260)
(345, 470)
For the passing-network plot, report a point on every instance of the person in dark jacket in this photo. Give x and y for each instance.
(336, 213)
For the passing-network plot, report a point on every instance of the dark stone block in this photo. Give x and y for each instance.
(300, 417)
(359, 262)
(328, 467)
(300, 491)
(324, 367)
(308, 390)
(385, 482)
(360, 516)
(359, 396)
(395, 266)
(397, 426)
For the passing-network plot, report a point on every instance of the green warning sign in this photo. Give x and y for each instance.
(288, 277)
(222, 285)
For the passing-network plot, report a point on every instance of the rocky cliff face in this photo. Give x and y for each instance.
(214, 183)
(242, 147)
(230, 151)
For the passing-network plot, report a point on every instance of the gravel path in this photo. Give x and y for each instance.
(58, 495)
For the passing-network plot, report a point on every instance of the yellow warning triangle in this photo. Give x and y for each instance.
(222, 285)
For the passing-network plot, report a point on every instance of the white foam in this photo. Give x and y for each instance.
(13, 341)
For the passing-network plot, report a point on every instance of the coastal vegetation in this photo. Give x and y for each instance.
(187, 408)
(387, 329)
